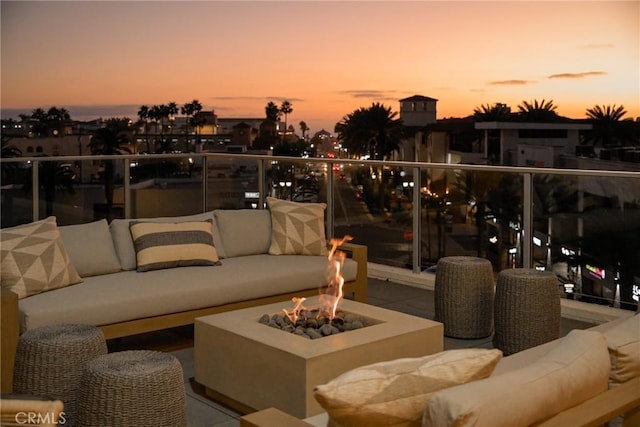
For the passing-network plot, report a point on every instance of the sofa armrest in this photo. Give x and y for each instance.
(9, 334)
(359, 254)
(624, 398)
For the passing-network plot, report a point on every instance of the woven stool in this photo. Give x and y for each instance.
(463, 296)
(527, 309)
(132, 388)
(50, 359)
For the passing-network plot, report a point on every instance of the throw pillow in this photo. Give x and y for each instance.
(90, 248)
(623, 342)
(575, 370)
(297, 228)
(121, 236)
(34, 259)
(244, 231)
(161, 245)
(393, 393)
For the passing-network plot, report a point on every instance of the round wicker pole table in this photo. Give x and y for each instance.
(141, 388)
(50, 359)
(463, 296)
(527, 309)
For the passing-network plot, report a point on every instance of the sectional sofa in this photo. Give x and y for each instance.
(587, 378)
(178, 268)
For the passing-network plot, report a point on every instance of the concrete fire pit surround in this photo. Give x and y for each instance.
(251, 366)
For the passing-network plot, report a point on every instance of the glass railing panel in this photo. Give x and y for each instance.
(232, 182)
(371, 204)
(165, 185)
(16, 197)
(587, 231)
(297, 180)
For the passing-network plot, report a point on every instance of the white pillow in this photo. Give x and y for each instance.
(574, 371)
(244, 231)
(90, 248)
(393, 393)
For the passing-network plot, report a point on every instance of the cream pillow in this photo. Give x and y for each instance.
(34, 259)
(297, 228)
(574, 371)
(623, 342)
(90, 248)
(161, 245)
(393, 393)
(244, 231)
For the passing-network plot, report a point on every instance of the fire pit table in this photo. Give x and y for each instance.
(251, 366)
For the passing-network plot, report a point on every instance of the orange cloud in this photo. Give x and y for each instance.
(513, 82)
(576, 75)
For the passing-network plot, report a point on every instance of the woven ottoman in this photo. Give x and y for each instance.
(463, 296)
(132, 388)
(527, 309)
(50, 359)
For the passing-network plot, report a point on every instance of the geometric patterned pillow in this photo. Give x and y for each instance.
(297, 228)
(161, 245)
(33, 259)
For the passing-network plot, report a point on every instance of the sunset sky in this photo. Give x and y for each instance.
(328, 58)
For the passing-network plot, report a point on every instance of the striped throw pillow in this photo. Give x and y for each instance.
(166, 245)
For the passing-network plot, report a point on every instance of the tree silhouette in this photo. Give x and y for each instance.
(608, 127)
(109, 140)
(492, 113)
(285, 109)
(538, 111)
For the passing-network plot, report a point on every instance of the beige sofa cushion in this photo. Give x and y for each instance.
(244, 231)
(297, 228)
(623, 342)
(393, 393)
(123, 242)
(34, 259)
(90, 248)
(162, 245)
(572, 372)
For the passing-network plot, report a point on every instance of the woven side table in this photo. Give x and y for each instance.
(50, 359)
(132, 388)
(527, 309)
(463, 296)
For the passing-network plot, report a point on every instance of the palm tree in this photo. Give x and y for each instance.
(607, 129)
(109, 140)
(56, 119)
(143, 114)
(155, 114)
(304, 129)
(497, 112)
(190, 109)
(172, 110)
(285, 109)
(538, 111)
(375, 130)
(272, 111)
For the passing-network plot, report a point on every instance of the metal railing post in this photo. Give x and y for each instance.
(127, 187)
(527, 221)
(204, 183)
(417, 222)
(262, 188)
(330, 201)
(35, 190)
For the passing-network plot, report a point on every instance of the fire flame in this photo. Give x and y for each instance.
(330, 298)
